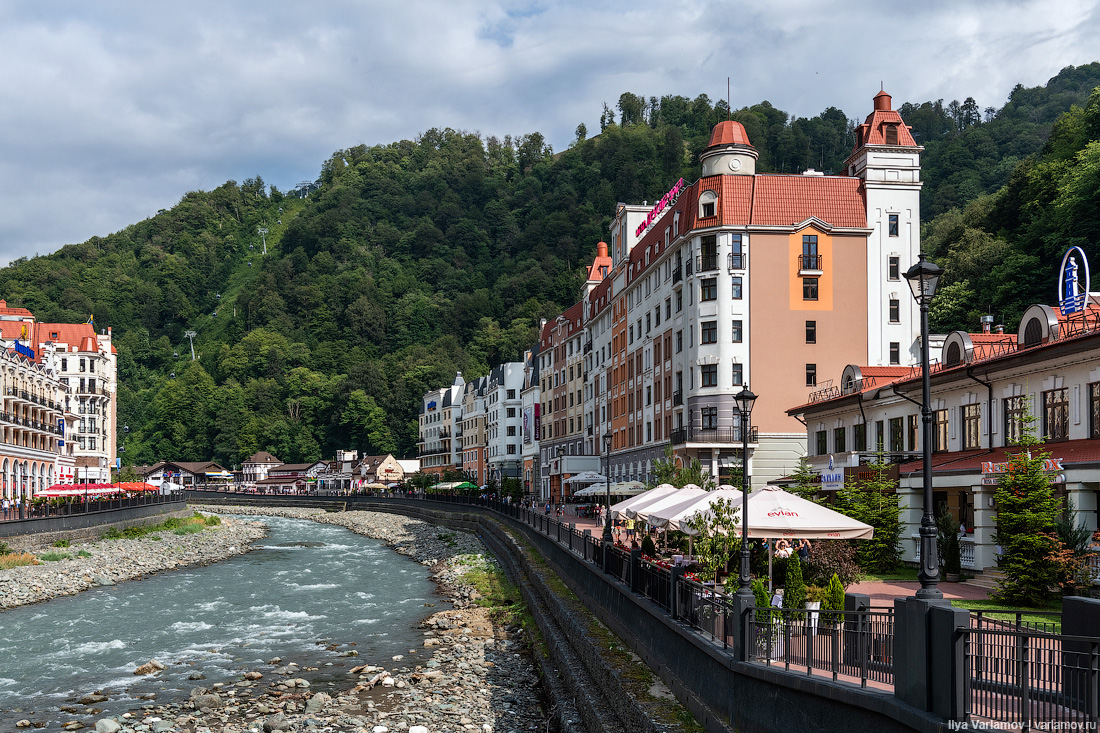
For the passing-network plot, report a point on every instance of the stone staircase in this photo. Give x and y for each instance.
(987, 579)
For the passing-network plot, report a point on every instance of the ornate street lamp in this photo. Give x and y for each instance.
(923, 278)
(607, 438)
(745, 399)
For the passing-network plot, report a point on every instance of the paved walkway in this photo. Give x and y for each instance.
(881, 593)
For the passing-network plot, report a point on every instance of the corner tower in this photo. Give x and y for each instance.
(887, 158)
(729, 151)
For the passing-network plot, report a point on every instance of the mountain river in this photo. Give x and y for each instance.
(305, 583)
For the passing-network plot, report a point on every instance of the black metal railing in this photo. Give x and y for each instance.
(726, 434)
(810, 262)
(677, 274)
(1031, 679)
(677, 398)
(706, 263)
(849, 646)
(736, 261)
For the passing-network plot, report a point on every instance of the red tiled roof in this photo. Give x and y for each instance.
(787, 200)
(602, 259)
(6, 311)
(884, 371)
(729, 133)
(872, 131)
(71, 334)
(1070, 451)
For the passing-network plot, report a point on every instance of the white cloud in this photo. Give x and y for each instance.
(110, 113)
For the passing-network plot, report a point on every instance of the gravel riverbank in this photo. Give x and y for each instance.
(112, 561)
(479, 676)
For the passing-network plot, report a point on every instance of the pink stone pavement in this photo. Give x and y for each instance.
(882, 593)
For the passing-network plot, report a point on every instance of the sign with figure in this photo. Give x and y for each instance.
(1073, 282)
(831, 478)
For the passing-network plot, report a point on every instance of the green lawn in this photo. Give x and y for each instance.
(902, 574)
(1002, 612)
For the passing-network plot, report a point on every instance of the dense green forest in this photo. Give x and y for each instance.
(408, 261)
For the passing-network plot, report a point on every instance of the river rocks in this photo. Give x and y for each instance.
(207, 700)
(23, 723)
(93, 698)
(107, 726)
(111, 561)
(149, 667)
(276, 722)
(317, 703)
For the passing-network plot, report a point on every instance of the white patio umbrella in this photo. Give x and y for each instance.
(641, 512)
(677, 517)
(776, 513)
(585, 477)
(652, 494)
(616, 490)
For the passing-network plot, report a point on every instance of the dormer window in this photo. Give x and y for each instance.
(890, 134)
(707, 204)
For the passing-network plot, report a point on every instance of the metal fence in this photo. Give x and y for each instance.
(1031, 679)
(849, 646)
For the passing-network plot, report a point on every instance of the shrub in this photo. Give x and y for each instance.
(947, 542)
(829, 558)
(188, 529)
(760, 592)
(648, 548)
(112, 533)
(794, 589)
(874, 501)
(83, 553)
(15, 559)
(212, 520)
(833, 600)
(4, 549)
(61, 543)
(54, 556)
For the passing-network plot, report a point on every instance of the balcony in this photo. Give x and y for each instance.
(810, 264)
(677, 274)
(687, 268)
(677, 398)
(587, 347)
(706, 263)
(736, 261)
(730, 434)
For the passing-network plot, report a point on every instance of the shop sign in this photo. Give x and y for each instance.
(1073, 282)
(993, 470)
(431, 405)
(667, 200)
(831, 478)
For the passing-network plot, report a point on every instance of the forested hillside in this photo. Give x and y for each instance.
(411, 260)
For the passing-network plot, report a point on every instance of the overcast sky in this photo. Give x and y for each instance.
(110, 111)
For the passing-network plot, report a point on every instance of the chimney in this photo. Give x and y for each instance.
(1000, 328)
(987, 323)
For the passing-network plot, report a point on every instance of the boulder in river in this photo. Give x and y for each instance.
(317, 703)
(93, 698)
(276, 723)
(206, 700)
(106, 725)
(149, 667)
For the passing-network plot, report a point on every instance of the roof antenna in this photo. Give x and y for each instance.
(729, 106)
(882, 86)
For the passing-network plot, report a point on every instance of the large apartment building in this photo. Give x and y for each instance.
(738, 278)
(440, 419)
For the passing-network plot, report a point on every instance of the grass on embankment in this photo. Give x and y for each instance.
(186, 525)
(1001, 612)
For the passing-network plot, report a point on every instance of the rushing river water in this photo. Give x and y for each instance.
(306, 582)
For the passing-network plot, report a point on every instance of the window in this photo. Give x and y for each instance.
(811, 375)
(708, 253)
(648, 395)
(822, 442)
(679, 341)
(1056, 414)
(894, 271)
(897, 435)
(511, 412)
(1094, 410)
(668, 308)
(893, 225)
(890, 134)
(737, 331)
(912, 432)
(859, 436)
(738, 374)
(64, 365)
(895, 352)
(632, 333)
(511, 449)
(709, 417)
(679, 300)
(811, 332)
(810, 259)
(709, 375)
(809, 288)
(511, 430)
(708, 288)
(895, 310)
(511, 394)
(1015, 412)
(880, 437)
(971, 416)
(648, 323)
(737, 257)
(656, 317)
(736, 290)
(82, 365)
(838, 440)
(708, 332)
(939, 430)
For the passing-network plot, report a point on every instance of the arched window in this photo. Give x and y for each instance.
(1033, 333)
(890, 134)
(708, 204)
(954, 355)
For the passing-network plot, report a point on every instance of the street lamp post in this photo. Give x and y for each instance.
(607, 438)
(745, 400)
(923, 278)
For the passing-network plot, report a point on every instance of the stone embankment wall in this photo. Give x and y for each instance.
(91, 526)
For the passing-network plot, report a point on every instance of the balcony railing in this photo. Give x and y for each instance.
(810, 263)
(706, 263)
(687, 267)
(677, 397)
(677, 274)
(736, 260)
(727, 434)
(587, 347)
